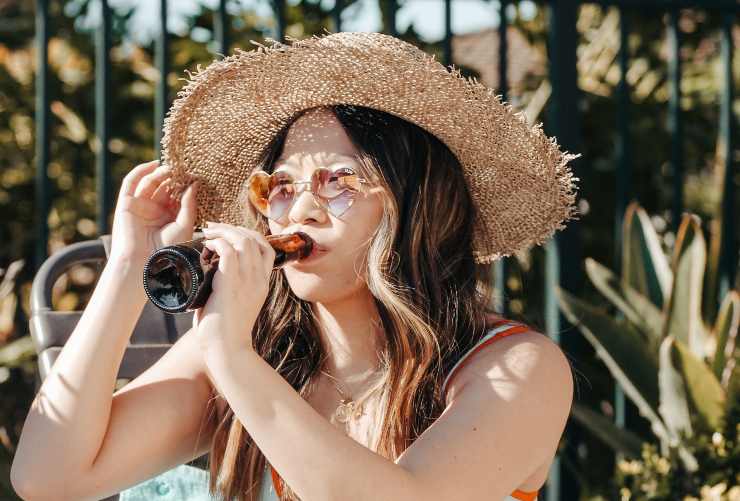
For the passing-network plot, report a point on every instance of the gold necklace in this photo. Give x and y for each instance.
(348, 407)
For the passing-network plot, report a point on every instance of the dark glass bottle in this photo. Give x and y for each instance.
(178, 277)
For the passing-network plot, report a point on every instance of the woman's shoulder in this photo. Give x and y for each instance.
(509, 348)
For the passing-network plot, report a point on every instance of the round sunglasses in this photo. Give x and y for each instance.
(273, 194)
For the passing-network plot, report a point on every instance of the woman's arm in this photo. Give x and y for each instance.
(506, 420)
(69, 416)
(152, 424)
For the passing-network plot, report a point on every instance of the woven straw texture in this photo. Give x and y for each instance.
(228, 112)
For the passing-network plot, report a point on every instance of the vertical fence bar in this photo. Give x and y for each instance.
(562, 254)
(623, 182)
(503, 50)
(221, 28)
(160, 56)
(336, 15)
(728, 242)
(675, 125)
(42, 131)
(392, 9)
(553, 487)
(279, 7)
(102, 117)
(501, 271)
(447, 46)
(624, 170)
(161, 102)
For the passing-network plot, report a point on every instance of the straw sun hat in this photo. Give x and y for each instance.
(228, 112)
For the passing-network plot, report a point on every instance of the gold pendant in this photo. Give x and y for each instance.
(347, 410)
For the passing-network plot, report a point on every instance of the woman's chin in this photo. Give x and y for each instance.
(307, 285)
(317, 287)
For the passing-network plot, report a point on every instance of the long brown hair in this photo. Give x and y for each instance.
(430, 294)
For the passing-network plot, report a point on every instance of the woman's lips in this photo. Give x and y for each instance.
(316, 253)
(317, 250)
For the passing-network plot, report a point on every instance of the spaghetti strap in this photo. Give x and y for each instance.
(521, 495)
(500, 330)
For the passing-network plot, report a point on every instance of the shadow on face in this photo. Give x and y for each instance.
(317, 139)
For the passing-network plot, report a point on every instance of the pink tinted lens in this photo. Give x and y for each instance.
(279, 203)
(338, 189)
(282, 193)
(339, 204)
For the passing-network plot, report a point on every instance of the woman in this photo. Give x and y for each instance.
(370, 370)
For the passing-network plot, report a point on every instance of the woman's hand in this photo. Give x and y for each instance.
(239, 287)
(147, 217)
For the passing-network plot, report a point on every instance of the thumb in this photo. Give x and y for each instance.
(186, 214)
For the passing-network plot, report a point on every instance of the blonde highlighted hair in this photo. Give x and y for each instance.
(430, 293)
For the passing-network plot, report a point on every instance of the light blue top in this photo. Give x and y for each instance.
(188, 483)
(185, 483)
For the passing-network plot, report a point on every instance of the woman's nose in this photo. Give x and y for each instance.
(306, 206)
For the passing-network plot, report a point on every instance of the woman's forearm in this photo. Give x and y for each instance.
(314, 457)
(68, 418)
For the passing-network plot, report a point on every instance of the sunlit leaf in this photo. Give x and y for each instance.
(645, 267)
(684, 318)
(725, 332)
(706, 394)
(674, 405)
(631, 303)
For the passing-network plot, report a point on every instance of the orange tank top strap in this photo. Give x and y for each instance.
(276, 483)
(525, 495)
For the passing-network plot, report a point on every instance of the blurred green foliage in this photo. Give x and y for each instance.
(677, 368)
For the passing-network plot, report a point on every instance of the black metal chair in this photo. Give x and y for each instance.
(153, 335)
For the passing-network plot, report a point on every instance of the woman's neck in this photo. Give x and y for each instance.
(351, 335)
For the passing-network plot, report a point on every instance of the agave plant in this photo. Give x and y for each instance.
(674, 367)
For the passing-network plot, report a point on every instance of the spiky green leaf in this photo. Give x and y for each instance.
(624, 353)
(674, 404)
(636, 307)
(725, 332)
(705, 392)
(645, 267)
(683, 312)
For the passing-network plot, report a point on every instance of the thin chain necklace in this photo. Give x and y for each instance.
(350, 408)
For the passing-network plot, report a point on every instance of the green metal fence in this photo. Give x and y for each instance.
(563, 251)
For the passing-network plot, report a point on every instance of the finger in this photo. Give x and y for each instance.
(255, 258)
(162, 195)
(151, 181)
(228, 262)
(131, 180)
(188, 205)
(240, 231)
(144, 208)
(268, 252)
(263, 249)
(231, 233)
(240, 241)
